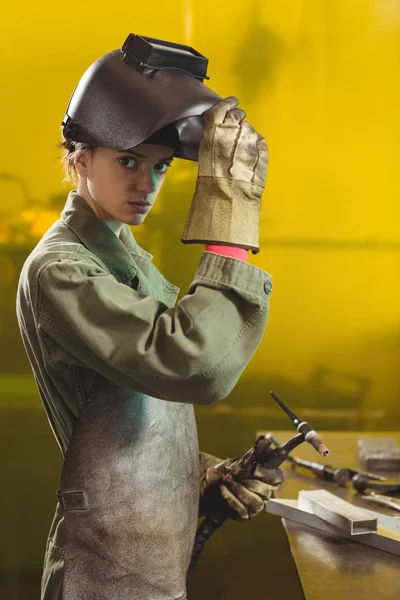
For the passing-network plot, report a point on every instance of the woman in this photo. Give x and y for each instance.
(118, 365)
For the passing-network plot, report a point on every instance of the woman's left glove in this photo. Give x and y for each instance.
(226, 487)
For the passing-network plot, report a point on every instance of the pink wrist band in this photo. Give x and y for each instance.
(232, 251)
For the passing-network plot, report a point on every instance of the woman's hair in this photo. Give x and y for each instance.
(70, 151)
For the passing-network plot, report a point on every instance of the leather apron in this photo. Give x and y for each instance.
(129, 491)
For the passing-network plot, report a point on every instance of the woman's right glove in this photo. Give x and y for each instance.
(233, 162)
(234, 492)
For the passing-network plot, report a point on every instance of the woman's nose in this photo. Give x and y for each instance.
(146, 181)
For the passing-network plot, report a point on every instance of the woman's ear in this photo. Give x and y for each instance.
(81, 162)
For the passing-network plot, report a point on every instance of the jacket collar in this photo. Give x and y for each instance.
(116, 253)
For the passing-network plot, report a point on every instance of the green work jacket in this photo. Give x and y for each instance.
(119, 365)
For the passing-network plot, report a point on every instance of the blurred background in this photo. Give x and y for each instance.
(319, 80)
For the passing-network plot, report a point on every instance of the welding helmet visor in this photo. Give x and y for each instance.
(149, 91)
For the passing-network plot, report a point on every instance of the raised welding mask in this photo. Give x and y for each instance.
(149, 91)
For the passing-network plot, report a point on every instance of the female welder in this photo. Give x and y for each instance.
(118, 364)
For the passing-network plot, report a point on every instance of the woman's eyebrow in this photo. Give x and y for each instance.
(171, 158)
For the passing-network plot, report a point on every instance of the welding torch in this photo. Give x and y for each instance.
(341, 476)
(261, 454)
(362, 481)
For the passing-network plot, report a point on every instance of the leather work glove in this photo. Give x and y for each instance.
(226, 487)
(233, 162)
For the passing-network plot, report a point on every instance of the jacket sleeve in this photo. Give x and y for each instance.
(193, 352)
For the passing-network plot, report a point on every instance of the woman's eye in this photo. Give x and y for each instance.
(162, 167)
(127, 162)
(130, 163)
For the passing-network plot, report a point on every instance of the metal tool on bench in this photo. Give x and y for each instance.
(388, 501)
(361, 483)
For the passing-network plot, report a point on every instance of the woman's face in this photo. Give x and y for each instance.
(123, 185)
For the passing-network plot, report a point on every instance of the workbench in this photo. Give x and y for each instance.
(329, 566)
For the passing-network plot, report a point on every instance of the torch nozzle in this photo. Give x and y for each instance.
(316, 442)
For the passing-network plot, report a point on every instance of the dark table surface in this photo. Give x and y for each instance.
(329, 566)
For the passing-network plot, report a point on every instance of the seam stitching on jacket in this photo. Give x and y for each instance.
(76, 385)
(56, 324)
(204, 278)
(230, 259)
(43, 346)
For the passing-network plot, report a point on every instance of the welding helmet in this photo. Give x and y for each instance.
(148, 91)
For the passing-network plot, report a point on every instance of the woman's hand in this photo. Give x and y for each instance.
(233, 162)
(230, 490)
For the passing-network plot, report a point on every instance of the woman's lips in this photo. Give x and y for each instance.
(140, 206)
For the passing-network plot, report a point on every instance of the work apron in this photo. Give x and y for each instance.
(129, 492)
(129, 489)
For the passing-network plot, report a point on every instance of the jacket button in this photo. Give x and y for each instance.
(268, 287)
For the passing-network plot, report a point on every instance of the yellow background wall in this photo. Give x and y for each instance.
(319, 79)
